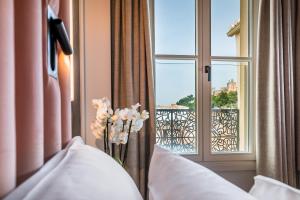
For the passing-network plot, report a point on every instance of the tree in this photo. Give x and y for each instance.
(188, 101)
(225, 100)
(232, 99)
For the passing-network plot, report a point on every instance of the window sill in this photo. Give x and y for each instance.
(225, 166)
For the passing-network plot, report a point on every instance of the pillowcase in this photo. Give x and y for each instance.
(75, 140)
(268, 188)
(174, 177)
(86, 173)
(21, 191)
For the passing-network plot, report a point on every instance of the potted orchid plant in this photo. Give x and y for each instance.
(115, 127)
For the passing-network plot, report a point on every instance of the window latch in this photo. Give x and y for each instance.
(208, 71)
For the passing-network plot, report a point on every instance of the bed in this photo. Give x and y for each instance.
(39, 159)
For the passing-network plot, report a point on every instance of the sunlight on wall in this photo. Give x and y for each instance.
(71, 56)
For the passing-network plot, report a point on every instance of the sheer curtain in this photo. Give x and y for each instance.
(278, 90)
(132, 77)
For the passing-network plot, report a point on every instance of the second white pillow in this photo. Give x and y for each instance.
(174, 177)
(268, 188)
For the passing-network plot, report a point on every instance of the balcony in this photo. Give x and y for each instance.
(176, 130)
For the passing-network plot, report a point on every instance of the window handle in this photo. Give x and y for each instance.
(208, 71)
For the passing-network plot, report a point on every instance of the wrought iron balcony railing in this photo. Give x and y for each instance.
(176, 130)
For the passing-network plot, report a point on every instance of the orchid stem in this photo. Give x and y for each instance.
(126, 147)
(121, 145)
(120, 153)
(113, 150)
(107, 144)
(104, 142)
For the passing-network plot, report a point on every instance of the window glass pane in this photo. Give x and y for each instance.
(174, 27)
(229, 28)
(229, 96)
(175, 105)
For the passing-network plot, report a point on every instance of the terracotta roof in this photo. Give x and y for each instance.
(172, 106)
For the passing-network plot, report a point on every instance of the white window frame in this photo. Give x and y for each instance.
(227, 161)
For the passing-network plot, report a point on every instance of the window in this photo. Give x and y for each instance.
(176, 74)
(203, 76)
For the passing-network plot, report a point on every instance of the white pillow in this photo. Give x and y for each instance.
(268, 188)
(86, 173)
(22, 190)
(174, 177)
(76, 139)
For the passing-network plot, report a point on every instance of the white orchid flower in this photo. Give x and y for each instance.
(113, 133)
(95, 103)
(123, 137)
(106, 101)
(131, 114)
(101, 103)
(115, 139)
(117, 111)
(102, 116)
(114, 118)
(137, 125)
(110, 111)
(97, 136)
(117, 122)
(136, 106)
(118, 137)
(124, 113)
(117, 126)
(97, 129)
(145, 115)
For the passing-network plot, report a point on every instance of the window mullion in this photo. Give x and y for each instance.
(206, 51)
(200, 91)
(231, 59)
(175, 57)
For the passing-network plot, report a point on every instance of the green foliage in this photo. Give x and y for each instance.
(222, 100)
(225, 100)
(188, 101)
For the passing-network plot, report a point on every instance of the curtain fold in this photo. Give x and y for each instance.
(278, 90)
(132, 77)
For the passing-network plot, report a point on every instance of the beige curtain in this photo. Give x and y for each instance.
(132, 77)
(278, 89)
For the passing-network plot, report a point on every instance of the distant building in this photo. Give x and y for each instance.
(231, 86)
(217, 92)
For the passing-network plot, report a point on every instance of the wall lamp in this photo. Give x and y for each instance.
(56, 33)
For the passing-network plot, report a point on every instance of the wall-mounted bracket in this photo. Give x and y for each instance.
(52, 46)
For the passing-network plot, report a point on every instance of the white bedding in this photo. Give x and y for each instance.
(21, 191)
(176, 178)
(84, 172)
(268, 188)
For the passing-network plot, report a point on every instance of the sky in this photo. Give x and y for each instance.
(175, 34)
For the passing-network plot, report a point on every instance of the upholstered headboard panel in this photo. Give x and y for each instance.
(35, 116)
